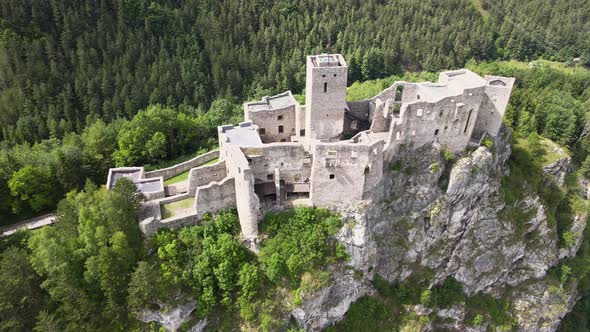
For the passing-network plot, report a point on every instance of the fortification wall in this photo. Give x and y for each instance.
(340, 171)
(274, 125)
(151, 225)
(409, 92)
(493, 106)
(200, 176)
(290, 159)
(449, 122)
(173, 171)
(215, 196)
(247, 201)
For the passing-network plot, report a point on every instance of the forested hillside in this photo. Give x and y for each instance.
(65, 63)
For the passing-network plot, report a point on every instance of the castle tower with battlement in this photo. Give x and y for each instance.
(325, 96)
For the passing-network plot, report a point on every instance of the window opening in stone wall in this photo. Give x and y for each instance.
(417, 96)
(280, 117)
(440, 113)
(302, 132)
(467, 123)
(436, 132)
(280, 129)
(261, 131)
(283, 140)
(325, 87)
(323, 75)
(270, 177)
(334, 75)
(367, 170)
(399, 92)
(332, 176)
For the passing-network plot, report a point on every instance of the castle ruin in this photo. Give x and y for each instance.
(328, 152)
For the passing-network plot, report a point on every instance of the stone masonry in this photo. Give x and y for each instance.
(329, 152)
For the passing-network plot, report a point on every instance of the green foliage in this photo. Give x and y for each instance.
(478, 320)
(209, 259)
(487, 142)
(21, 297)
(299, 240)
(388, 306)
(448, 155)
(160, 132)
(33, 187)
(87, 259)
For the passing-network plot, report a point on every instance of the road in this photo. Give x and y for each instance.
(34, 223)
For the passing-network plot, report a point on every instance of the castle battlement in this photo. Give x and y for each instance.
(329, 152)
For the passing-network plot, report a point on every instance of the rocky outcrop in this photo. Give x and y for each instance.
(320, 309)
(440, 219)
(171, 319)
(540, 305)
(560, 168)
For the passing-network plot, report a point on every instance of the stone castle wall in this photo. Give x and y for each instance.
(493, 106)
(215, 196)
(340, 171)
(449, 122)
(270, 121)
(290, 159)
(173, 171)
(247, 201)
(203, 175)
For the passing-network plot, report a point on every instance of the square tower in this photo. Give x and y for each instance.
(325, 96)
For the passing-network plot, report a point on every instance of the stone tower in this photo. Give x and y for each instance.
(325, 96)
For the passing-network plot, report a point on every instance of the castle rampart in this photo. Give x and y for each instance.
(173, 171)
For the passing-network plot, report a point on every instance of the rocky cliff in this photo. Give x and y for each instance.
(441, 218)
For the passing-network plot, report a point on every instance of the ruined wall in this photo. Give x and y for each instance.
(493, 106)
(247, 201)
(381, 116)
(270, 121)
(173, 171)
(300, 121)
(449, 122)
(356, 118)
(203, 175)
(409, 92)
(215, 196)
(292, 161)
(340, 170)
(157, 183)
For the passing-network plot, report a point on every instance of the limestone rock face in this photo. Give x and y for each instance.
(320, 309)
(171, 319)
(428, 218)
(560, 168)
(541, 305)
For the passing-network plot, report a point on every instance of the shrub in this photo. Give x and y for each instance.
(487, 142)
